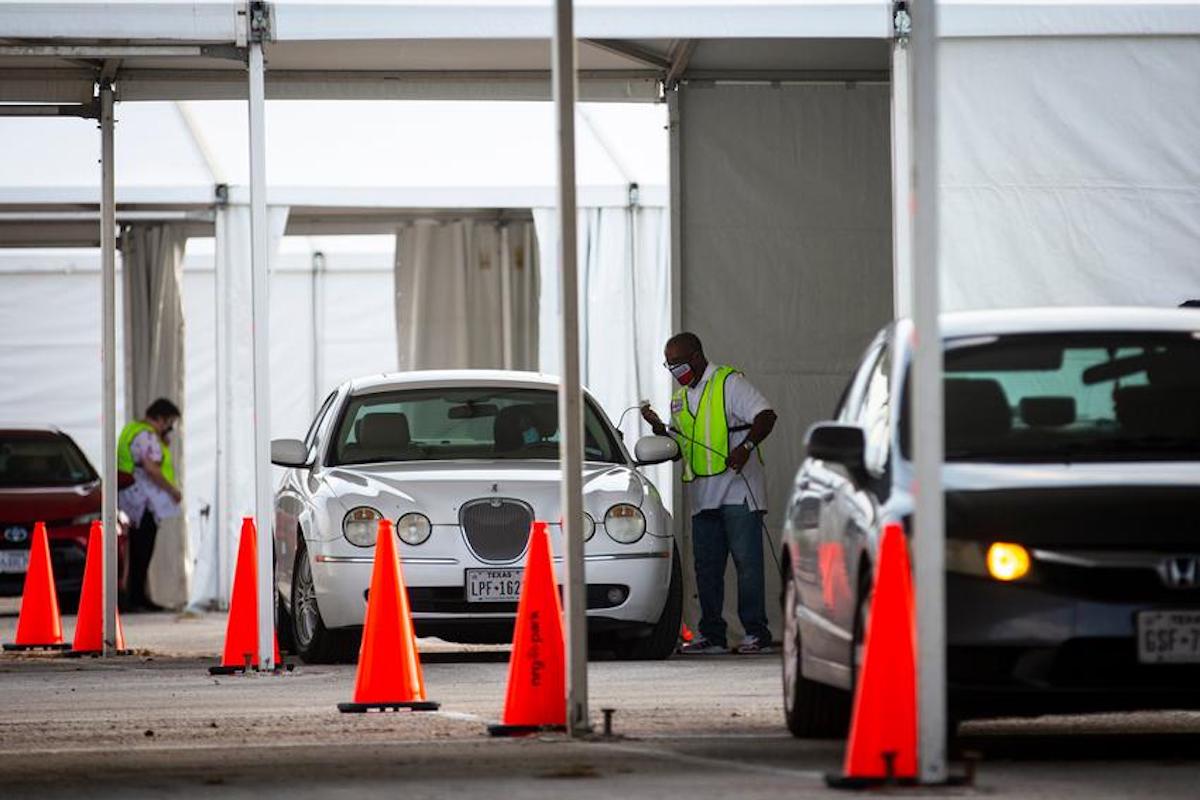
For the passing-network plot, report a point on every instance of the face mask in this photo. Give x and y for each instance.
(530, 436)
(683, 373)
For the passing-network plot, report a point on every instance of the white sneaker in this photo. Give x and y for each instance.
(703, 647)
(751, 646)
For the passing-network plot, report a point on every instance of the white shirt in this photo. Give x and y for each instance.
(145, 494)
(742, 404)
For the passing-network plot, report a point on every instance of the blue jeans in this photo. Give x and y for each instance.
(716, 534)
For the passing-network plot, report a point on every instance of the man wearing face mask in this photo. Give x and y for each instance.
(720, 420)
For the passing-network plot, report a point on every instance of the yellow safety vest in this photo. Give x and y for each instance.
(125, 455)
(703, 437)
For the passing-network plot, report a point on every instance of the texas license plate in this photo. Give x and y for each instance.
(494, 585)
(1169, 637)
(14, 560)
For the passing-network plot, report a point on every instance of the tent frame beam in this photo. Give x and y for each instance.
(108, 414)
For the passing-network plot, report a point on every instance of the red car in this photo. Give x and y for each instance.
(45, 477)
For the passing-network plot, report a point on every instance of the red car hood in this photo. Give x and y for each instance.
(56, 506)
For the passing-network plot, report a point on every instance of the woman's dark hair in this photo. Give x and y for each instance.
(162, 408)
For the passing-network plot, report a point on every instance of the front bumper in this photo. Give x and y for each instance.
(1030, 649)
(68, 555)
(437, 588)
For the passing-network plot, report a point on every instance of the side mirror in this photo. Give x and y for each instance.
(655, 450)
(838, 444)
(289, 453)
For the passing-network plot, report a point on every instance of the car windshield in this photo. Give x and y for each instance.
(41, 459)
(462, 423)
(1072, 397)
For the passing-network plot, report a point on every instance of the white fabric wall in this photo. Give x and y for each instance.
(624, 311)
(1070, 171)
(466, 295)
(786, 251)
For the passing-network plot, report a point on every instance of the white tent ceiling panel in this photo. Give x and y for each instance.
(991, 19)
(89, 20)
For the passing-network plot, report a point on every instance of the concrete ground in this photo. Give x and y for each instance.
(156, 723)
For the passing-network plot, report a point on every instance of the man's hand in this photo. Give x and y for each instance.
(738, 458)
(652, 418)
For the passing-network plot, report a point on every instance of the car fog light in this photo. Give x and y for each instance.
(1007, 561)
(616, 596)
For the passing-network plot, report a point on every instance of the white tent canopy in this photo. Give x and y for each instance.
(772, 62)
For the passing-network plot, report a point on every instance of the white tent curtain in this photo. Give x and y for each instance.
(234, 458)
(624, 311)
(1070, 171)
(152, 279)
(466, 295)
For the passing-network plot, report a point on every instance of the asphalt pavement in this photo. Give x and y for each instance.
(156, 724)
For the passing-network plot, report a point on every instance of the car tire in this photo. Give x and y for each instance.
(812, 710)
(314, 643)
(663, 638)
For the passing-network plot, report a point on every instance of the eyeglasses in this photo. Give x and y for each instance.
(686, 360)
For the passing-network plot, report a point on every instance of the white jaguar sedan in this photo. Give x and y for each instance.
(463, 461)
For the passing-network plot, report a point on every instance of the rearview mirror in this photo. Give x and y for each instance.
(655, 450)
(289, 453)
(839, 444)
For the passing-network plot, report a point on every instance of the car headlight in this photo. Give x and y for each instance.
(589, 527)
(413, 528)
(361, 526)
(86, 519)
(625, 523)
(1002, 561)
(1007, 561)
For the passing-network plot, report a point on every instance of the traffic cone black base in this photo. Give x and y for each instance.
(279, 669)
(11, 648)
(524, 730)
(413, 705)
(94, 653)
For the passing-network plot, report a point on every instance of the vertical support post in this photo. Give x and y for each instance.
(570, 392)
(224, 375)
(259, 248)
(902, 246)
(108, 361)
(929, 540)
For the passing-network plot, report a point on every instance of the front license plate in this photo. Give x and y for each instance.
(494, 585)
(14, 560)
(1169, 637)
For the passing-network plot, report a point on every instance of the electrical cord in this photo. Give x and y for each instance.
(762, 523)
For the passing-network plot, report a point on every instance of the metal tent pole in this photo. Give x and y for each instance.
(108, 361)
(570, 393)
(929, 540)
(259, 246)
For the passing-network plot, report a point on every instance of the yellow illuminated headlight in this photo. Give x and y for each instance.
(1007, 561)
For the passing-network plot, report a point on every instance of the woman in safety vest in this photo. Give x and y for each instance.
(149, 492)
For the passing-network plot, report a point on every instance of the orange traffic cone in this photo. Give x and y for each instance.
(89, 624)
(40, 626)
(882, 747)
(537, 687)
(389, 669)
(241, 631)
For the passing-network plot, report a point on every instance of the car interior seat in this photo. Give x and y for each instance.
(382, 436)
(977, 411)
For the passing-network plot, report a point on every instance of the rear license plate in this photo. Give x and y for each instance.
(494, 585)
(14, 560)
(1169, 637)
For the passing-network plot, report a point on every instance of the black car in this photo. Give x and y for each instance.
(1072, 483)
